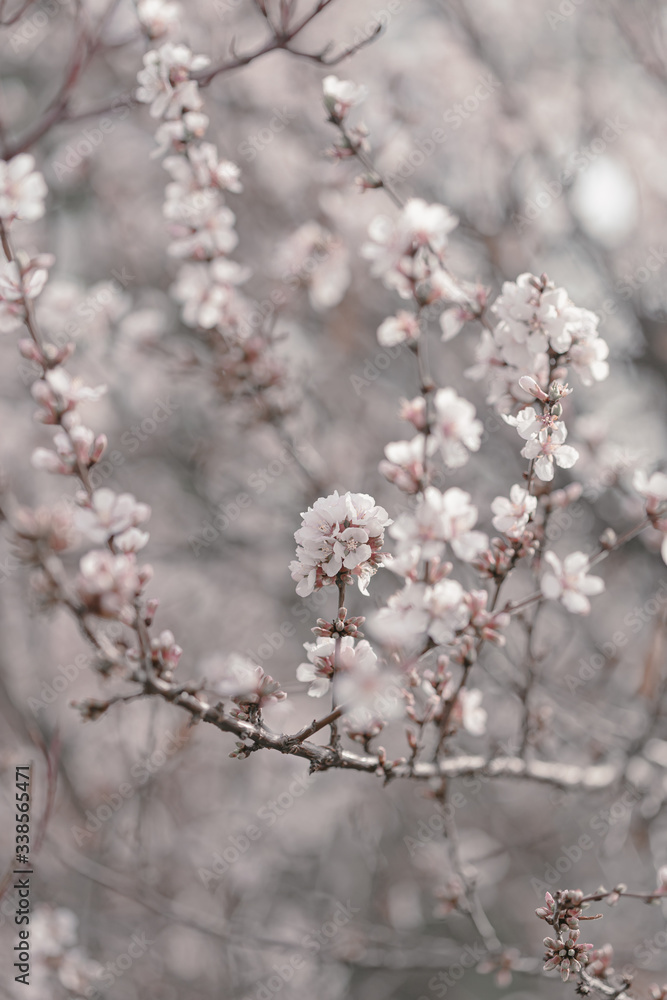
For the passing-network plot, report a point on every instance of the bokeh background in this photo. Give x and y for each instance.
(551, 123)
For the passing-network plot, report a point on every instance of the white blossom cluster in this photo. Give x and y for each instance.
(202, 225)
(110, 582)
(407, 252)
(340, 539)
(538, 327)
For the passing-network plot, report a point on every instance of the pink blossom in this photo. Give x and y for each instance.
(339, 535)
(158, 17)
(108, 584)
(330, 654)
(455, 427)
(548, 448)
(57, 393)
(165, 81)
(400, 329)
(569, 583)
(341, 95)
(394, 245)
(512, 516)
(404, 463)
(110, 515)
(22, 190)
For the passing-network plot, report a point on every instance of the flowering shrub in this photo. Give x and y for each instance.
(476, 574)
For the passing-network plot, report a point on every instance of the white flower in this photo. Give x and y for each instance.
(425, 224)
(512, 516)
(111, 514)
(172, 135)
(319, 261)
(456, 428)
(399, 329)
(341, 95)
(108, 583)
(245, 682)
(449, 613)
(339, 535)
(53, 931)
(371, 696)
(569, 583)
(165, 81)
(394, 247)
(439, 518)
(452, 321)
(404, 463)
(404, 621)
(322, 661)
(459, 517)
(533, 318)
(158, 17)
(207, 292)
(473, 716)
(588, 359)
(527, 422)
(22, 190)
(548, 447)
(653, 489)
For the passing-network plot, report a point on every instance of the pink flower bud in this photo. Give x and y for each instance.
(528, 384)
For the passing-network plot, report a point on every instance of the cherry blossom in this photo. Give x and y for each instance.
(447, 609)
(158, 17)
(108, 584)
(18, 283)
(400, 329)
(547, 448)
(439, 518)
(512, 516)
(329, 655)
(111, 515)
(404, 463)
(653, 488)
(165, 81)
(569, 582)
(341, 95)
(339, 535)
(58, 393)
(320, 262)
(22, 190)
(455, 427)
(395, 245)
(247, 684)
(468, 711)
